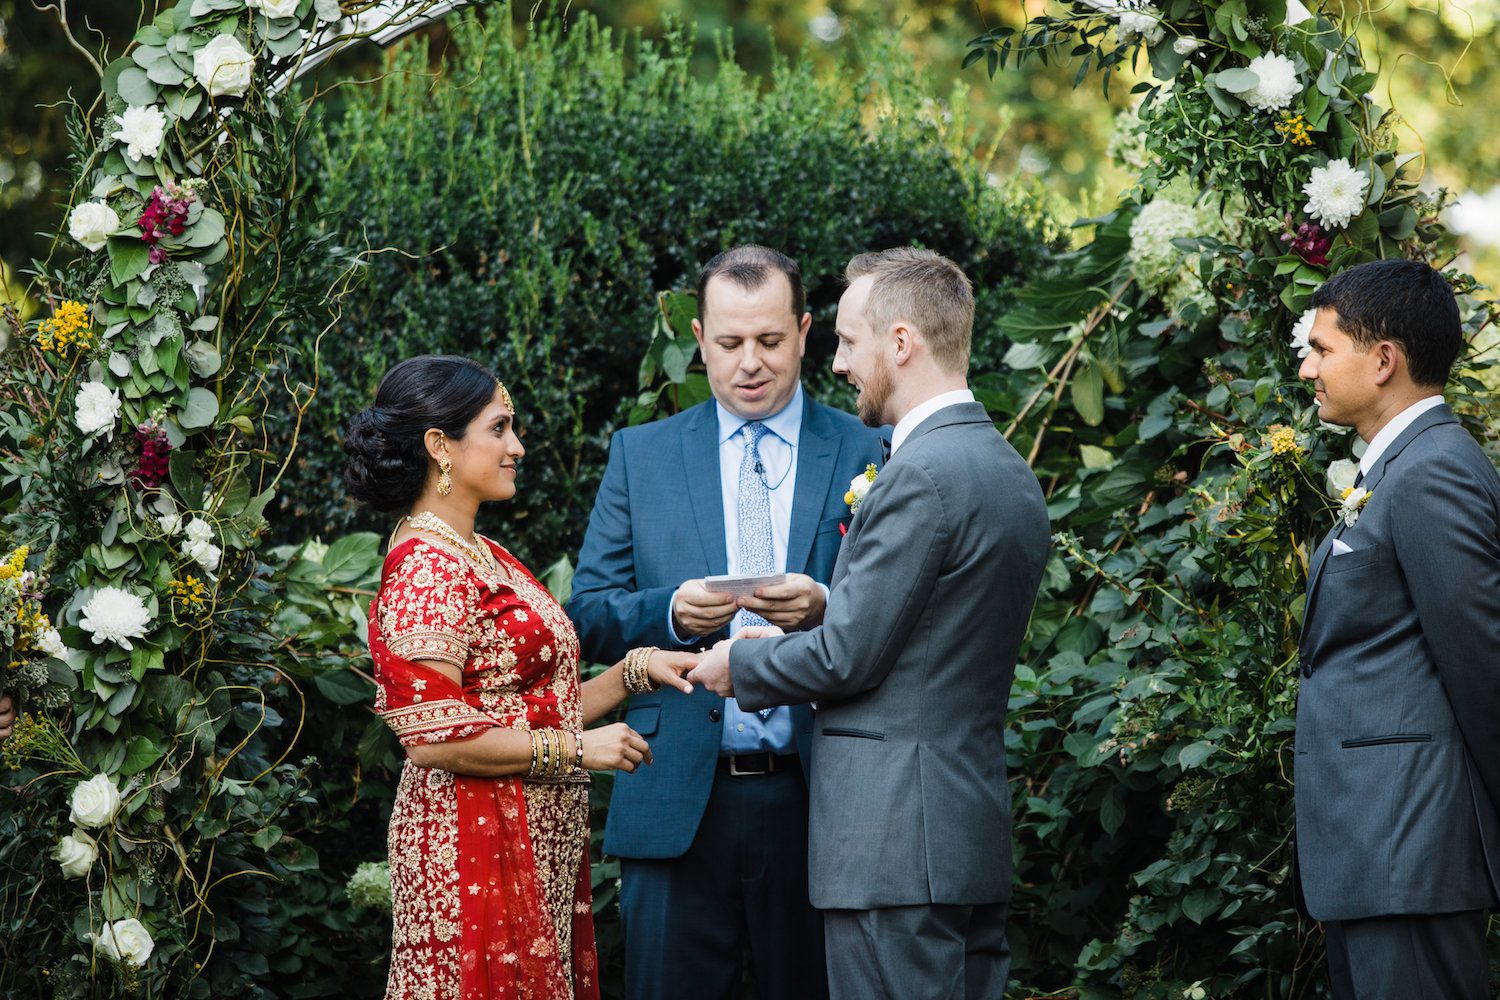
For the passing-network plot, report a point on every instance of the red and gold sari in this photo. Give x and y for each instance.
(489, 876)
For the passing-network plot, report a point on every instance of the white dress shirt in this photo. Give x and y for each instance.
(922, 411)
(1392, 430)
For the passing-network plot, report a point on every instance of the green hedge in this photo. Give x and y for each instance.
(534, 195)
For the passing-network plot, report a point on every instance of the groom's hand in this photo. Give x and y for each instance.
(797, 603)
(696, 610)
(713, 670)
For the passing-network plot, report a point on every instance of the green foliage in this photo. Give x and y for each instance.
(1153, 712)
(534, 197)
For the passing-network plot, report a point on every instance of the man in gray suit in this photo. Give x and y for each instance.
(909, 852)
(1398, 718)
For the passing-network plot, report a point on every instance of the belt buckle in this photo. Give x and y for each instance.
(734, 765)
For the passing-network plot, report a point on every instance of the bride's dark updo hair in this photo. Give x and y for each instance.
(388, 461)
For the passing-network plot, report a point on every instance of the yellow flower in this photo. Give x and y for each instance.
(1284, 441)
(1294, 127)
(15, 563)
(70, 326)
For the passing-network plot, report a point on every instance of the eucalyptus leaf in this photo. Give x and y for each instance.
(203, 358)
(136, 88)
(200, 410)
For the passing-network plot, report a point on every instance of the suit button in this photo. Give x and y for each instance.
(713, 715)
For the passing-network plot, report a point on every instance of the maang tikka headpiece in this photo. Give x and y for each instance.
(505, 395)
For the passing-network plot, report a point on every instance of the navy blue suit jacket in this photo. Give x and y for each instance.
(659, 520)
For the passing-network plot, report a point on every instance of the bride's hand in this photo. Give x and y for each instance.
(667, 669)
(615, 747)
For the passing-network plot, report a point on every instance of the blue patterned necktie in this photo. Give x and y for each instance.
(756, 554)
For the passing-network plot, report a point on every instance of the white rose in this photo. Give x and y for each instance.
(115, 615)
(275, 8)
(95, 801)
(1185, 46)
(327, 10)
(205, 554)
(170, 523)
(126, 941)
(95, 408)
(223, 67)
(1144, 21)
(91, 224)
(1341, 476)
(50, 643)
(860, 486)
(199, 530)
(75, 854)
(141, 129)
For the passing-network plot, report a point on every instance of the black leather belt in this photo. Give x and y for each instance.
(744, 764)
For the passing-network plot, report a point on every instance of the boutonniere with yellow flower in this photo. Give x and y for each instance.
(858, 487)
(1354, 500)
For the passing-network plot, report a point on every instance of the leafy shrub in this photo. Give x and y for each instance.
(540, 192)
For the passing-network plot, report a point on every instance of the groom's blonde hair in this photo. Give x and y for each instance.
(925, 290)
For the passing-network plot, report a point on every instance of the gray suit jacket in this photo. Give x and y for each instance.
(1398, 718)
(911, 672)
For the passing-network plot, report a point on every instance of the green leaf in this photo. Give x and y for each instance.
(200, 410)
(1200, 904)
(1237, 81)
(1195, 753)
(207, 231)
(1022, 355)
(140, 753)
(1088, 395)
(135, 87)
(352, 558)
(203, 358)
(128, 257)
(185, 479)
(1095, 457)
(343, 687)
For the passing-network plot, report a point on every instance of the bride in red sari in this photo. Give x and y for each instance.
(477, 671)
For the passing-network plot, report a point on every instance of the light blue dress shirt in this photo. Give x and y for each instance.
(747, 732)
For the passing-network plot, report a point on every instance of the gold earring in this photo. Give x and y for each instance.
(445, 482)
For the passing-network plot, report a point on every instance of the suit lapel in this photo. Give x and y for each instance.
(1439, 414)
(700, 463)
(816, 449)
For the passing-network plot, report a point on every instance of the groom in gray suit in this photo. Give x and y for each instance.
(1398, 717)
(909, 841)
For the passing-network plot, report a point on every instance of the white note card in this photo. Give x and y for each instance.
(742, 586)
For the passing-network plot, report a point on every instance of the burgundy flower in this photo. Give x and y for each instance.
(151, 471)
(1309, 242)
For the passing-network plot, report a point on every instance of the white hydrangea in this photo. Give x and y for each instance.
(1300, 332)
(91, 224)
(96, 407)
(1335, 193)
(1154, 261)
(1145, 21)
(1127, 142)
(1278, 82)
(223, 67)
(141, 129)
(116, 615)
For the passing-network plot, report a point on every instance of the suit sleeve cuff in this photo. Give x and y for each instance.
(672, 626)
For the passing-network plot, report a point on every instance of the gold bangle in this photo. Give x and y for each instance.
(637, 670)
(578, 751)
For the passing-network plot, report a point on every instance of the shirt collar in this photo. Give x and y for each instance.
(922, 411)
(1392, 430)
(785, 423)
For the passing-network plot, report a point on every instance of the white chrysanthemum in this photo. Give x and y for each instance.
(91, 224)
(1144, 21)
(116, 615)
(141, 129)
(1300, 332)
(223, 67)
(1185, 46)
(1341, 476)
(126, 941)
(1335, 193)
(96, 407)
(51, 644)
(1278, 82)
(275, 8)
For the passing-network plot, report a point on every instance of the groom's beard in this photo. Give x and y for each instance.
(875, 394)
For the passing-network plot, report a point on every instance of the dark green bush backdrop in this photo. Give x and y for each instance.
(536, 193)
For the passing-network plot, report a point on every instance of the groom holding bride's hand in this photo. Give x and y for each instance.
(911, 668)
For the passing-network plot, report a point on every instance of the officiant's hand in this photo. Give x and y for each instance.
(713, 670)
(7, 715)
(696, 610)
(797, 603)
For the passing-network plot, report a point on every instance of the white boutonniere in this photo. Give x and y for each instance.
(858, 487)
(1354, 500)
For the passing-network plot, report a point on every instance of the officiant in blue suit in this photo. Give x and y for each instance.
(713, 836)
(1398, 716)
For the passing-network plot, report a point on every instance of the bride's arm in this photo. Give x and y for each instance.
(601, 693)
